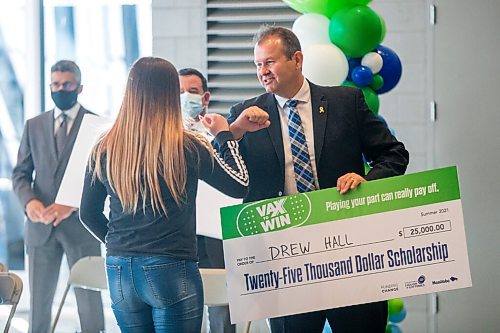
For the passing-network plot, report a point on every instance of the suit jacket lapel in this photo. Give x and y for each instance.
(319, 115)
(275, 129)
(68, 147)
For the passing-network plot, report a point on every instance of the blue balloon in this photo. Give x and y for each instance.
(382, 120)
(327, 328)
(391, 68)
(394, 328)
(393, 132)
(365, 160)
(362, 76)
(398, 317)
(353, 63)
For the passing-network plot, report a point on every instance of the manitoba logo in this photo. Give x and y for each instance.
(275, 214)
(445, 280)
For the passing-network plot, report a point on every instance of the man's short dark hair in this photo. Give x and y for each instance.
(192, 71)
(68, 66)
(290, 41)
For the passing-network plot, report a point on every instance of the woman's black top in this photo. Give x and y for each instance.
(146, 233)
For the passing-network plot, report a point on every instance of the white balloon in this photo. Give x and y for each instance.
(373, 61)
(312, 29)
(325, 64)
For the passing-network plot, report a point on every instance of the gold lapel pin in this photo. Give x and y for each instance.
(321, 109)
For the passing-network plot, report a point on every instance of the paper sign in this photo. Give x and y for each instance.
(91, 128)
(389, 238)
(208, 204)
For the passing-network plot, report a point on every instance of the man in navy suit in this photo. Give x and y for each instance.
(338, 129)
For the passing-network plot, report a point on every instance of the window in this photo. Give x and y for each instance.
(104, 38)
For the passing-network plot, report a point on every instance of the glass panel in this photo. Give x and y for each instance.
(104, 38)
(12, 80)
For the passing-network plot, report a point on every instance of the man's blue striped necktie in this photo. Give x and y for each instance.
(300, 154)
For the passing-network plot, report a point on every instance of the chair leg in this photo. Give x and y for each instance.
(56, 319)
(247, 327)
(11, 315)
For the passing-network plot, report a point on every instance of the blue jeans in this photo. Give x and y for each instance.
(155, 294)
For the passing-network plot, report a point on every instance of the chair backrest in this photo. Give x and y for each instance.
(3, 267)
(215, 289)
(11, 288)
(89, 273)
(214, 286)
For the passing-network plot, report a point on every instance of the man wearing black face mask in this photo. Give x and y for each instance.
(53, 229)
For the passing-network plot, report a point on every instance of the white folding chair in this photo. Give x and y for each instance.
(87, 273)
(11, 288)
(214, 289)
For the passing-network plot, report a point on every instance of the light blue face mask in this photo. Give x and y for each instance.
(191, 105)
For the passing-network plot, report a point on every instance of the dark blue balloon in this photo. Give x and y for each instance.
(353, 63)
(362, 76)
(397, 317)
(391, 68)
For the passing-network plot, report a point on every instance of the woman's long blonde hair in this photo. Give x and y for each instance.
(147, 139)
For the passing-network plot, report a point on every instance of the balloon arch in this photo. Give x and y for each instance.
(341, 41)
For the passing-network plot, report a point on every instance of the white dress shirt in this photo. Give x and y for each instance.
(304, 108)
(70, 114)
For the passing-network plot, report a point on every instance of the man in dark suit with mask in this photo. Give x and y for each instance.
(315, 139)
(53, 229)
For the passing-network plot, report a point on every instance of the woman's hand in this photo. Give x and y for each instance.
(214, 123)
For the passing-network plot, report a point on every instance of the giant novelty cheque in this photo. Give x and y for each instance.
(394, 237)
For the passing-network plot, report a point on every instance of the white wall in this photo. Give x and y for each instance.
(179, 32)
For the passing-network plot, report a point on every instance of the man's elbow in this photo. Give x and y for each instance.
(240, 193)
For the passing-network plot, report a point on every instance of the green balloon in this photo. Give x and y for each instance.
(395, 305)
(324, 7)
(367, 168)
(382, 33)
(371, 97)
(308, 6)
(377, 82)
(350, 84)
(356, 30)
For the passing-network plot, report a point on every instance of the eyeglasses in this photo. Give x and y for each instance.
(68, 85)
